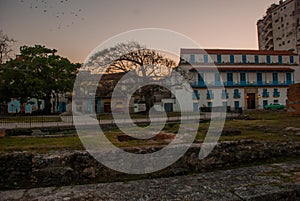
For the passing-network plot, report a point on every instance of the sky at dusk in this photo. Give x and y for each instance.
(76, 27)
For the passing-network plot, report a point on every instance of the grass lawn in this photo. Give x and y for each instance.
(39, 144)
(29, 119)
(136, 115)
(256, 125)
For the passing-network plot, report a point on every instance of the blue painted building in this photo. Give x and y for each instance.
(15, 106)
(251, 78)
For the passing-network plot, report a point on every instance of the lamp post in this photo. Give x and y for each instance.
(247, 102)
(258, 97)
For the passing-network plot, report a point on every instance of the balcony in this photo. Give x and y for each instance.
(242, 84)
(229, 83)
(225, 95)
(269, 41)
(218, 83)
(209, 96)
(266, 95)
(276, 94)
(237, 95)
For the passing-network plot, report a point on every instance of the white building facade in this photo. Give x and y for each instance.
(252, 79)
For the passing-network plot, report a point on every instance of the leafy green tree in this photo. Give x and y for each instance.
(38, 72)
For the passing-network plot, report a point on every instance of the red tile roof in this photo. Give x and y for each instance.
(236, 51)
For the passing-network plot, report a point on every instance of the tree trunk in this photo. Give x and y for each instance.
(149, 98)
(48, 105)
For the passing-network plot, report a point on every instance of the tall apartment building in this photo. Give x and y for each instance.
(279, 29)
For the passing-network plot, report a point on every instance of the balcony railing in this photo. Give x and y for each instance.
(276, 94)
(265, 94)
(237, 95)
(242, 84)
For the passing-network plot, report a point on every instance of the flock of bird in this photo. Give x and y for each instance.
(62, 11)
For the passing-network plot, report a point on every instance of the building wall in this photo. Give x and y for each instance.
(32, 105)
(293, 106)
(278, 29)
(251, 94)
(284, 20)
(225, 59)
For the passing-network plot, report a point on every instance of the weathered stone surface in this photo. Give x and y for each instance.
(28, 170)
(15, 170)
(292, 129)
(274, 182)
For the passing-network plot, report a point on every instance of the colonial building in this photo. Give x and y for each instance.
(252, 79)
(279, 29)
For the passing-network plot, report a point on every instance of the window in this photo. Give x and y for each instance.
(236, 94)
(196, 95)
(259, 78)
(217, 79)
(200, 78)
(256, 58)
(265, 93)
(236, 105)
(209, 104)
(243, 78)
(224, 94)
(276, 101)
(219, 58)
(244, 59)
(232, 59)
(276, 93)
(192, 59)
(291, 59)
(209, 95)
(289, 78)
(229, 78)
(224, 103)
(195, 107)
(275, 78)
(265, 103)
(280, 59)
(205, 59)
(268, 59)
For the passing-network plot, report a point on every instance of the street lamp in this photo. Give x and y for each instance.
(258, 97)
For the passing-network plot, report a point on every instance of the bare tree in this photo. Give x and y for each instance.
(5, 46)
(147, 64)
(125, 57)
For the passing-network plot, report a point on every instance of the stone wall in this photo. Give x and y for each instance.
(29, 170)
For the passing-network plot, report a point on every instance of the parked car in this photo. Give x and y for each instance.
(275, 106)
